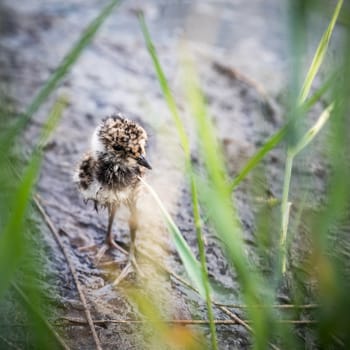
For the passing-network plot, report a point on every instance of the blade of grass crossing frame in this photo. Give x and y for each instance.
(292, 152)
(53, 120)
(188, 259)
(165, 87)
(12, 239)
(285, 208)
(72, 56)
(164, 334)
(319, 55)
(193, 187)
(61, 71)
(217, 199)
(313, 131)
(270, 144)
(12, 245)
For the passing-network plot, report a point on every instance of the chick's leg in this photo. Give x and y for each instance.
(110, 240)
(133, 225)
(110, 243)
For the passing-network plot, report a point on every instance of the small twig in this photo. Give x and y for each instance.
(71, 267)
(10, 344)
(269, 106)
(242, 322)
(235, 74)
(46, 323)
(235, 317)
(275, 306)
(80, 321)
(184, 322)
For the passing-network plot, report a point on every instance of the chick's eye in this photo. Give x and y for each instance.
(117, 148)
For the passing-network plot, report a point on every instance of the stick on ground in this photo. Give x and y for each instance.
(54, 231)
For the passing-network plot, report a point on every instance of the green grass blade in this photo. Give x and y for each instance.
(204, 270)
(61, 71)
(319, 55)
(165, 87)
(270, 144)
(321, 91)
(53, 120)
(285, 211)
(292, 151)
(194, 195)
(275, 139)
(72, 56)
(216, 197)
(188, 259)
(313, 131)
(12, 242)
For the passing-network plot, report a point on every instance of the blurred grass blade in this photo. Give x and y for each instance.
(12, 241)
(53, 120)
(270, 144)
(72, 56)
(164, 334)
(60, 72)
(165, 87)
(304, 105)
(191, 264)
(193, 187)
(285, 222)
(213, 161)
(293, 150)
(321, 91)
(319, 55)
(313, 131)
(148, 308)
(216, 198)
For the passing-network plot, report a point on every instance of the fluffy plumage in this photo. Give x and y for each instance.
(109, 174)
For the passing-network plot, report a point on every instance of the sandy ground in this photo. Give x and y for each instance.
(115, 73)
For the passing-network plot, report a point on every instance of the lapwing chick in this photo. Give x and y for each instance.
(109, 175)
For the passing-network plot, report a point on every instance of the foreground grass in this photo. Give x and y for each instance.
(211, 194)
(214, 192)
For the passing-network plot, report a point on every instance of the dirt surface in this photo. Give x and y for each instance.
(115, 73)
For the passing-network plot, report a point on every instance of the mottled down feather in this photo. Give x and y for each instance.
(109, 173)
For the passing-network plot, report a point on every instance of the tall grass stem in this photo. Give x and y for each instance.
(193, 187)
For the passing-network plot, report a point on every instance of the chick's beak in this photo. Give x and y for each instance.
(142, 161)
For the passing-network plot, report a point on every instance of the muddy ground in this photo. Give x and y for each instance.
(241, 78)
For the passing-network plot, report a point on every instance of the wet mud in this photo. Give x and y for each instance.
(115, 73)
